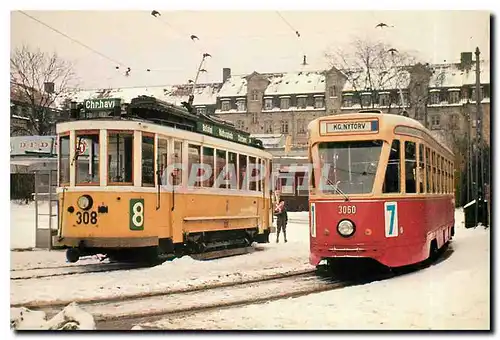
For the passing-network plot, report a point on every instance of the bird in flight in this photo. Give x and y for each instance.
(382, 25)
(155, 13)
(194, 37)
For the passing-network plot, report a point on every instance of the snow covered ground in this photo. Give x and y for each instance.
(453, 294)
(22, 223)
(272, 259)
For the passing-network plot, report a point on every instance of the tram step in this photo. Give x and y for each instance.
(216, 254)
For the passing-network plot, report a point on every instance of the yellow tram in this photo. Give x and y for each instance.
(158, 179)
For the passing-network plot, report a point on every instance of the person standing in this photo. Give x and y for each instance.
(282, 218)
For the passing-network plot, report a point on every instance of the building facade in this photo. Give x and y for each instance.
(277, 107)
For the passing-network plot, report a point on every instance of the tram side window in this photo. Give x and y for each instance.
(446, 176)
(208, 164)
(177, 161)
(428, 170)
(231, 170)
(439, 170)
(392, 173)
(269, 175)
(87, 158)
(120, 164)
(220, 165)
(421, 166)
(448, 184)
(148, 159)
(194, 169)
(252, 165)
(411, 167)
(261, 174)
(242, 171)
(451, 178)
(64, 160)
(162, 157)
(434, 177)
(440, 174)
(258, 174)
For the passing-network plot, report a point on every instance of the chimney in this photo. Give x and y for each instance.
(465, 60)
(226, 74)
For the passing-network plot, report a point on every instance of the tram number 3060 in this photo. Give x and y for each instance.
(347, 209)
(86, 217)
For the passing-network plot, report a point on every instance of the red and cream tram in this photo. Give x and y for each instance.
(381, 188)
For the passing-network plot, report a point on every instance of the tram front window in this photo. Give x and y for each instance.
(87, 158)
(348, 167)
(120, 155)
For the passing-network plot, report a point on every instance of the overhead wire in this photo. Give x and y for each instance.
(74, 40)
(297, 33)
(179, 32)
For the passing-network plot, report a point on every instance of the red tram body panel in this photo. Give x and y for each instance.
(381, 188)
(418, 222)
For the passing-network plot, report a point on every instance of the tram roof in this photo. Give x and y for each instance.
(390, 121)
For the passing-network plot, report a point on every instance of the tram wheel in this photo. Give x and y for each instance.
(433, 251)
(72, 255)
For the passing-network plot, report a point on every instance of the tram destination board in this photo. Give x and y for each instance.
(101, 104)
(336, 127)
(219, 132)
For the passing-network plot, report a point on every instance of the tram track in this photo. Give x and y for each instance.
(56, 304)
(263, 293)
(41, 272)
(57, 266)
(122, 312)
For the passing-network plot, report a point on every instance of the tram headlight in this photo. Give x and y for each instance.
(346, 228)
(84, 202)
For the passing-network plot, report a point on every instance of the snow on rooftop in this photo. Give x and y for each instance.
(299, 82)
(234, 86)
(358, 80)
(296, 82)
(449, 75)
(279, 84)
(205, 94)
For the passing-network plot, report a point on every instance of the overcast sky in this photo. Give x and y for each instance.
(241, 40)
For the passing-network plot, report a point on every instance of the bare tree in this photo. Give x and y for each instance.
(30, 71)
(373, 67)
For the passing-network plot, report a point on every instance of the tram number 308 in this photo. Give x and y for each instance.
(86, 217)
(347, 209)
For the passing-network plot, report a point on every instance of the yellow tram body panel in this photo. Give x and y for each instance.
(141, 186)
(132, 219)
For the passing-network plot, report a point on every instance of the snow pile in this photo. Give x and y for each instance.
(454, 293)
(71, 317)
